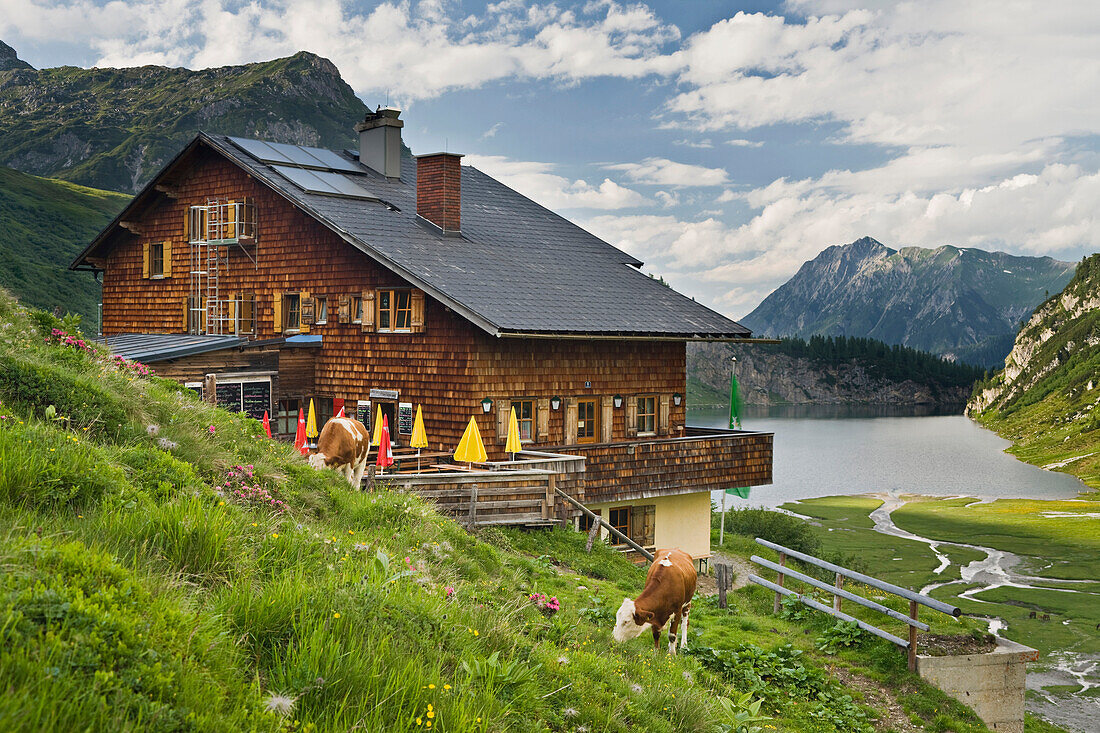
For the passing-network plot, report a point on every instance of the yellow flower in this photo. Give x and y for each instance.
(429, 724)
(420, 721)
(79, 516)
(275, 535)
(429, 704)
(350, 532)
(431, 687)
(446, 687)
(336, 615)
(431, 713)
(475, 633)
(221, 503)
(254, 524)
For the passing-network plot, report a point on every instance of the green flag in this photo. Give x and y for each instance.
(743, 492)
(735, 403)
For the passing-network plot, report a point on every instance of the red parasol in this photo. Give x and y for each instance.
(385, 449)
(341, 413)
(300, 436)
(267, 424)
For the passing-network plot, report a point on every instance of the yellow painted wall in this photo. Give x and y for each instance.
(681, 521)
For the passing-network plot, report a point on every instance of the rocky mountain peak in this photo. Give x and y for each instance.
(10, 60)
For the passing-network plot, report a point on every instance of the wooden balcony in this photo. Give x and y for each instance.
(702, 459)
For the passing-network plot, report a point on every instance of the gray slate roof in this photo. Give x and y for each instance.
(149, 347)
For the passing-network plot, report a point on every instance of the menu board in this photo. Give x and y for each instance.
(256, 398)
(404, 418)
(229, 396)
(362, 412)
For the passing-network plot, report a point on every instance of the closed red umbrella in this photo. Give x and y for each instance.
(300, 436)
(267, 424)
(385, 449)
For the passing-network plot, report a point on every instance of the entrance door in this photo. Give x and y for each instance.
(389, 411)
(586, 421)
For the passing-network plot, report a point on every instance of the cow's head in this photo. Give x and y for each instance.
(317, 460)
(630, 622)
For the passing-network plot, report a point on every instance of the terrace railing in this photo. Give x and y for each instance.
(915, 599)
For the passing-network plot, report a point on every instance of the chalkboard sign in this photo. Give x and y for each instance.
(362, 413)
(257, 398)
(229, 396)
(404, 418)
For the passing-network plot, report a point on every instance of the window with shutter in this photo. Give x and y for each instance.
(525, 419)
(292, 312)
(156, 259)
(646, 411)
(542, 419)
(277, 313)
(168, 259)
(145, 260)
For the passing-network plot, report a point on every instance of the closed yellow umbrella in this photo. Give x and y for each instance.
(420, 436)
(470, 448)
(377, 439)
(311, 425)
(513, 445)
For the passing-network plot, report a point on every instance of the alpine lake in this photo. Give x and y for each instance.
(931, 501)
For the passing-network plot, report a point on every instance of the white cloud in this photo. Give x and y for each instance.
(492, 131)
(665, 172)
(742, 143)
(690, 143)
(539, 182)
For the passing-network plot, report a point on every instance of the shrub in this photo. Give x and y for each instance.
(776, 527)
(34, 387)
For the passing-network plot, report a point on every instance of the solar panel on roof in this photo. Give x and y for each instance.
(260, 150)
(326, 182)
(332, 160)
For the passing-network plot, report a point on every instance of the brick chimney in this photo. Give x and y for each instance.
(380, 141)
(439, 190)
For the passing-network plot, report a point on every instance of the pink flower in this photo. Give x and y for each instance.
(449, 591)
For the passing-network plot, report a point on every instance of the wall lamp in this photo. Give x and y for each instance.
(486, 405)
(555, 403)
(618, 400)
(677, 398)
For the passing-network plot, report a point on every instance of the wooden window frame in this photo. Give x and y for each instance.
(643, 414)
(289, 325)
(611, 520)
(156, 260)
(394, 310)
(636, 532)
(290, 416)
(239, 309)
(595, 436)
(530, 420)
(321, 309)
(356, 310)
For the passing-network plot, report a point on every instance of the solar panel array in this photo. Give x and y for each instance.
(315, 170)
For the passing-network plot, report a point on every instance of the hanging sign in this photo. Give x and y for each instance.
(404, 418)
(384, 394)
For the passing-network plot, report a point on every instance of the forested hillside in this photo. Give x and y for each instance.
(828, 370)
(44, 223)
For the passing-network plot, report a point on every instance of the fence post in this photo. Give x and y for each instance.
(839, 585)
(472, 519)
(722, 577)
(913, 637)
(779, 582)
(592, 534)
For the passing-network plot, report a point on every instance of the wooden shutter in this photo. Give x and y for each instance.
(202, 316)
(343, 313)
(416, 300)
(504, 409)
(570, 430)
(230, 220)
(542, 419)
(303, 327)
(662, 414)
(632, 415)
(231, 313)
(145, 260)
(309, 310)
(368, 310)
(277, 315)
(168, 259)
(187, 224)
(607, 418)
(187, 314)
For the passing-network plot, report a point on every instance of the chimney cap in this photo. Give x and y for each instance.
(381, 117)
(434, 155)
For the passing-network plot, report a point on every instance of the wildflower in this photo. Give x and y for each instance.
(336, 615)
(449, 591)
(570, 713)
(431, 686)
(446, 687)
(636, 689)
(563, 659)
(274, 535)
(211, 430)
(280, 704)
(152, 429)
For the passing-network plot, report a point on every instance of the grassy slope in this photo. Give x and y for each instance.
(138, 594)
(44, 223)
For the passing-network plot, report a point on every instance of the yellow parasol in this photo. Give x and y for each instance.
(470, 448)
(513, 445)
(377, 439)
(311, 425)
(419, 437)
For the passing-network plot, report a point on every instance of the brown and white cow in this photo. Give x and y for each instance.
(669, 587)
(343, 445)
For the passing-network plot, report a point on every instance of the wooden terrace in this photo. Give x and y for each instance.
(523, 491)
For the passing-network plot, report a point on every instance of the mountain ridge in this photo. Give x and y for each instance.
(958, 302)
(114, 128)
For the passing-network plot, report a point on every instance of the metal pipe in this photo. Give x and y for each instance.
(841, 593)
(826, 609)
(867, 580)
(644, 552)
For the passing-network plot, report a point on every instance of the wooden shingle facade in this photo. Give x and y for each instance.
(361, 299)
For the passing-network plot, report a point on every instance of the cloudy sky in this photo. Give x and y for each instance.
(724, 143)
